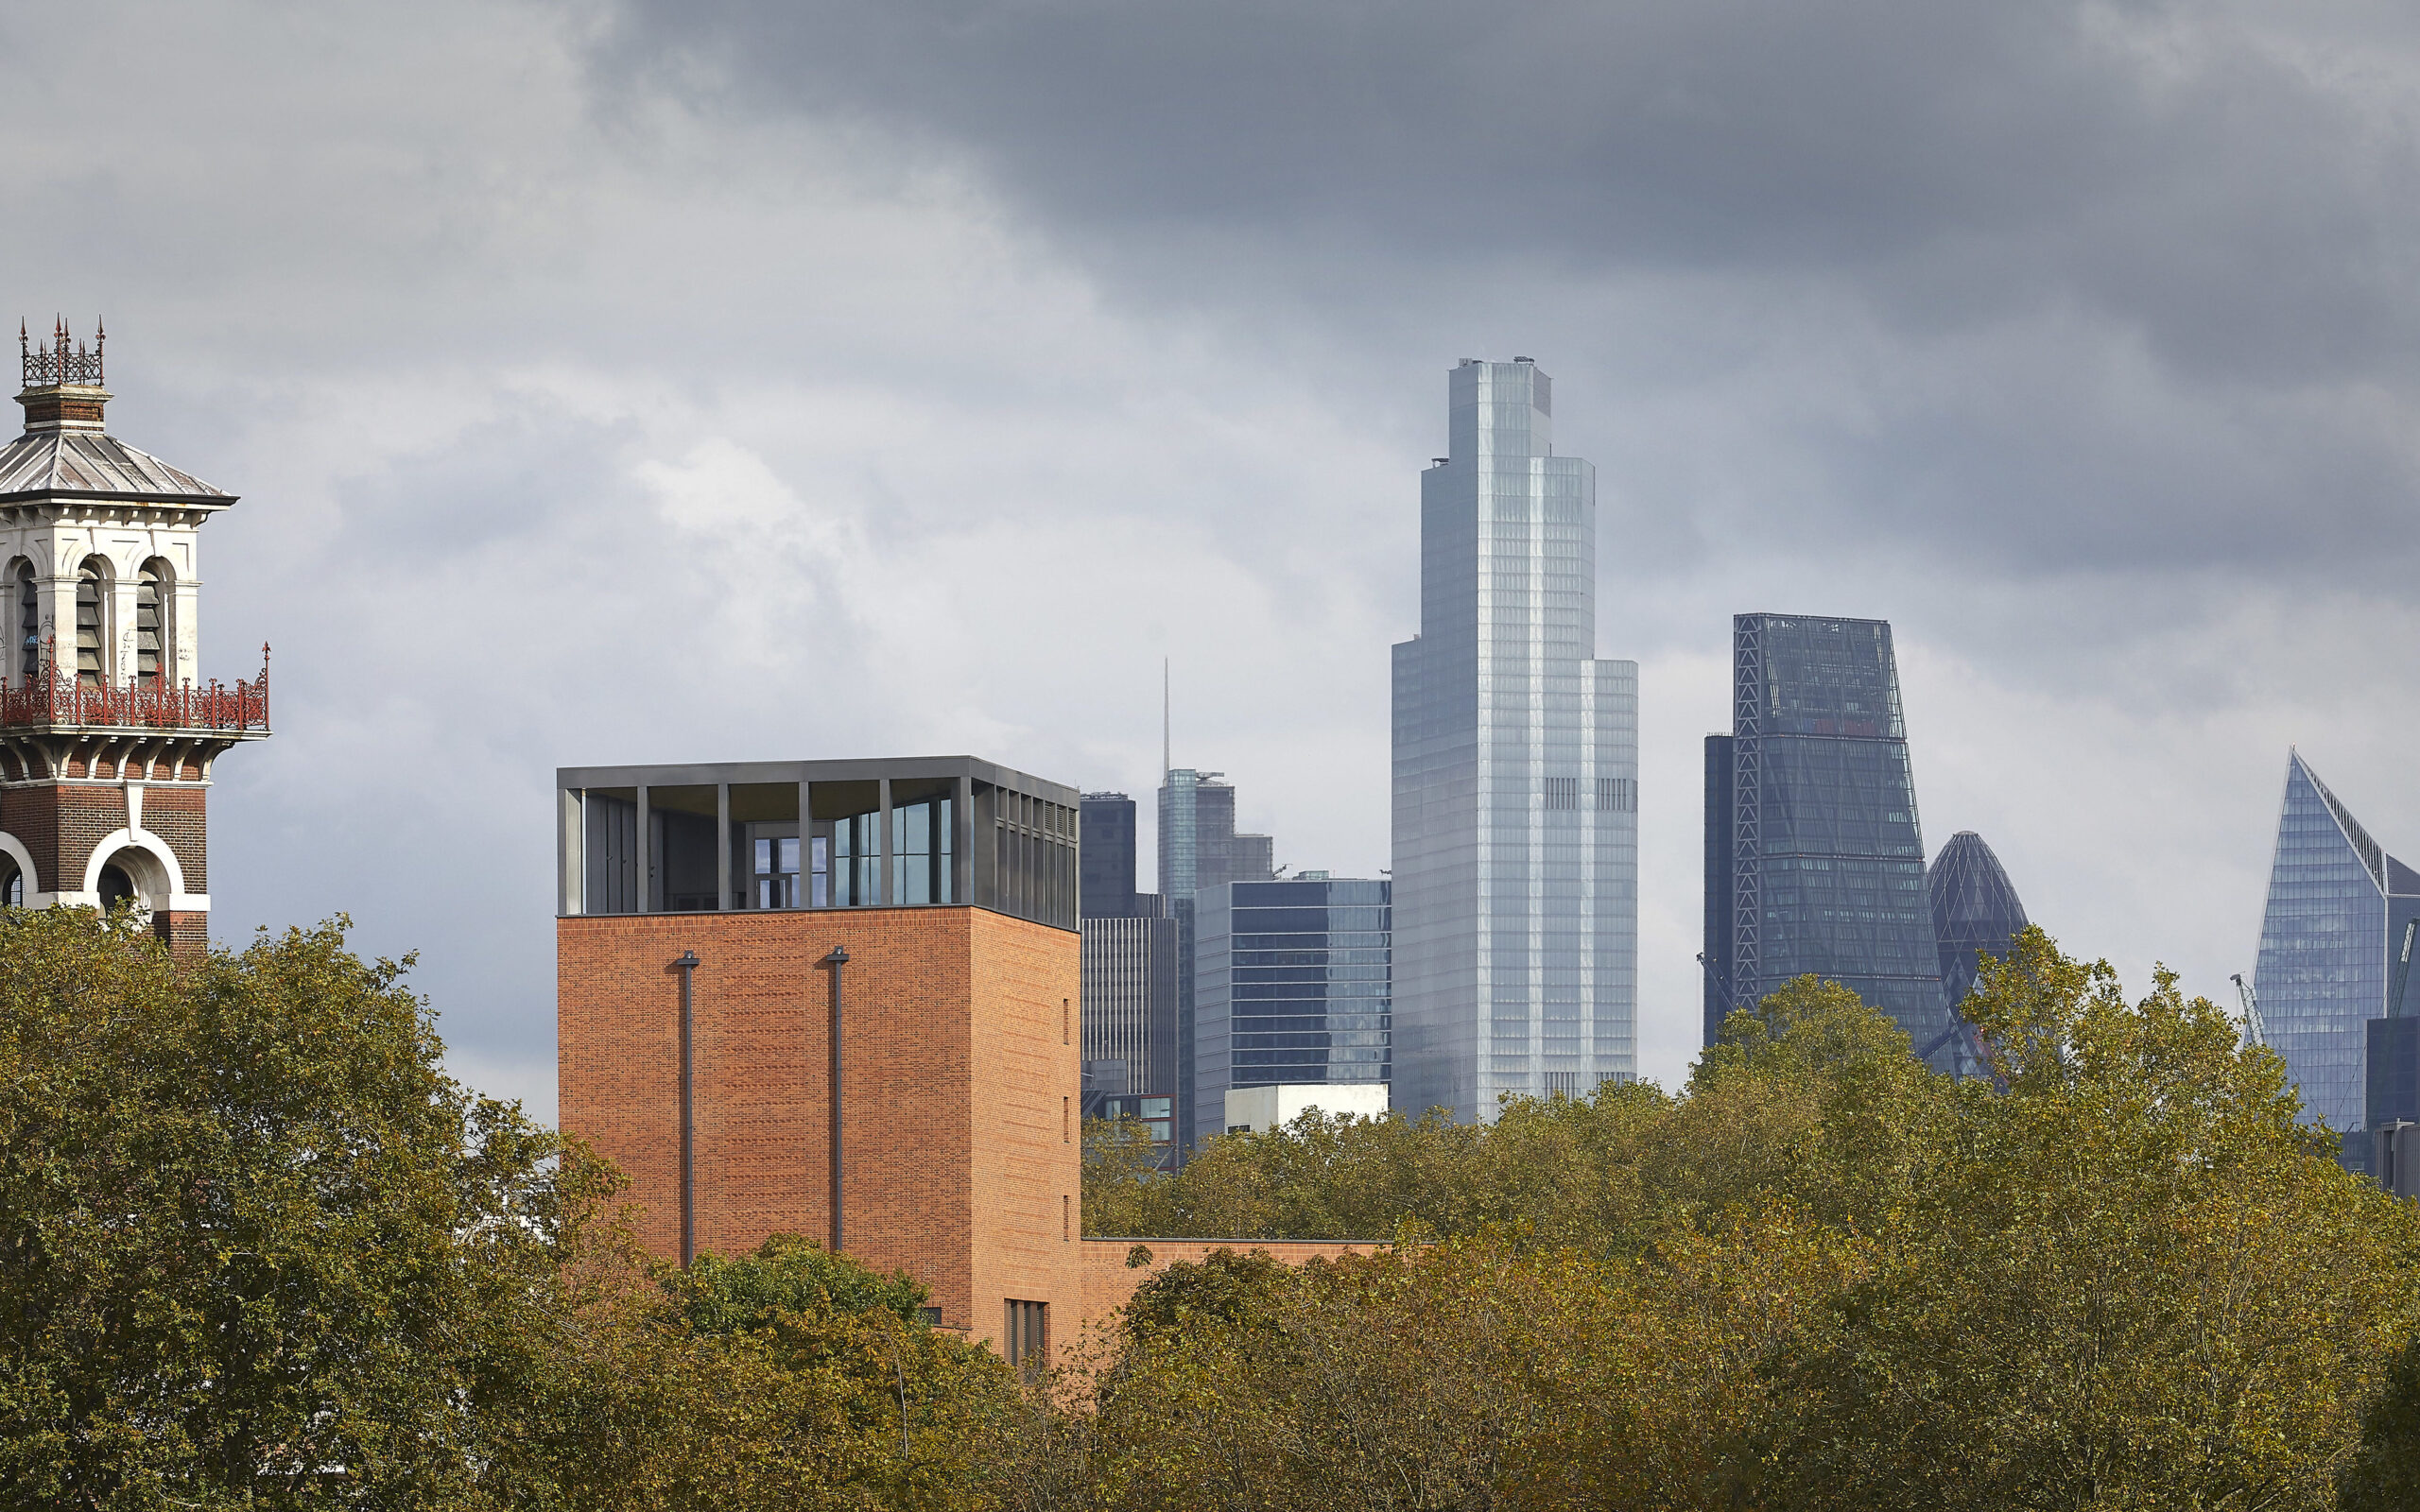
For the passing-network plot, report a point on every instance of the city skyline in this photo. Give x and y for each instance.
(1023, 366)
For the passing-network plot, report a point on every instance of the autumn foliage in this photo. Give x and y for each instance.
(256, 1250)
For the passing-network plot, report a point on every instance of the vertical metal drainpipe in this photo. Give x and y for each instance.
(687, 967)
(839, 958)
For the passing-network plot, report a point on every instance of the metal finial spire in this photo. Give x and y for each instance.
(62, 359)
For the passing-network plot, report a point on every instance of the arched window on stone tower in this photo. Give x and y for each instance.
(153, 649)
(29, 623)
(91, 622)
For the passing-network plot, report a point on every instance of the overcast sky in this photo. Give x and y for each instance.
(713, 380)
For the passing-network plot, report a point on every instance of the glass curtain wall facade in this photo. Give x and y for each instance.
(1515, 782)
(2336, 940)
(1105, 855)
(1825, 869)
(1198, 849)
(1129, 963)
(1130, 1007)
(1975, 913)
(1291, 984)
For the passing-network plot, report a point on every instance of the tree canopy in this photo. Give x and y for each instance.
(2115, 1272)
(257, 1251)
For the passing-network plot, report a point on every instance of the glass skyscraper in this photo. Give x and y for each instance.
(1975, 913)
(1515, 774)
(1130, 974)
(1105, 863)
(1815, 861)
(1290, 986)
(2335, 949)
(1200, 850)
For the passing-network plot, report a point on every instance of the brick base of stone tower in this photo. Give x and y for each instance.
(89, 829)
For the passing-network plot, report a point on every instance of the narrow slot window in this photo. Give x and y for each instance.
(28, 623)
(90, 639)
(151, 626)
(1025, 1336)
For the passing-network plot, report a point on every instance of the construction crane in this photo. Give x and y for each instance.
(2254, 1032)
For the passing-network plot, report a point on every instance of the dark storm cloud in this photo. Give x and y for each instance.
(2243, 200)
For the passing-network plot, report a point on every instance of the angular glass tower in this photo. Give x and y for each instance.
(1816, 859)
(1515, 774)
(1975, 913)
(2335, 948)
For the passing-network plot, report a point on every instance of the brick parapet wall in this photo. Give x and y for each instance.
(1111, 1281)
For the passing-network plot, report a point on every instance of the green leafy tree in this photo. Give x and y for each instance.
(1390, 1381)
(2131, 1279)
(1122, 1166)
(2117, 1272)
(2383, 1473)
(785, 1378)
(787, 1276)
(255, 1249)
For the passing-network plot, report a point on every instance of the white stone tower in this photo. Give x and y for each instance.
(107, 733)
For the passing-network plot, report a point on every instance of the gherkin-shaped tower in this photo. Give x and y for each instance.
(1974, 910)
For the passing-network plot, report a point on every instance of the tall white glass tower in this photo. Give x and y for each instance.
(1515, 774)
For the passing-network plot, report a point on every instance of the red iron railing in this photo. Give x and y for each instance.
(53, 698)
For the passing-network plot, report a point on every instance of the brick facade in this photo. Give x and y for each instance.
(84, 817)
(61, 825)
(960, 1067)
(30, 814)
(174, 814)
(188, 931)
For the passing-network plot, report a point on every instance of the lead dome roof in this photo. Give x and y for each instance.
(92, 464)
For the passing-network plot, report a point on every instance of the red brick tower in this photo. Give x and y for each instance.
(107, 735)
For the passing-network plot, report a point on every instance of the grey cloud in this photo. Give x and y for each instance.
(2244, 204)
(2029, 289)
